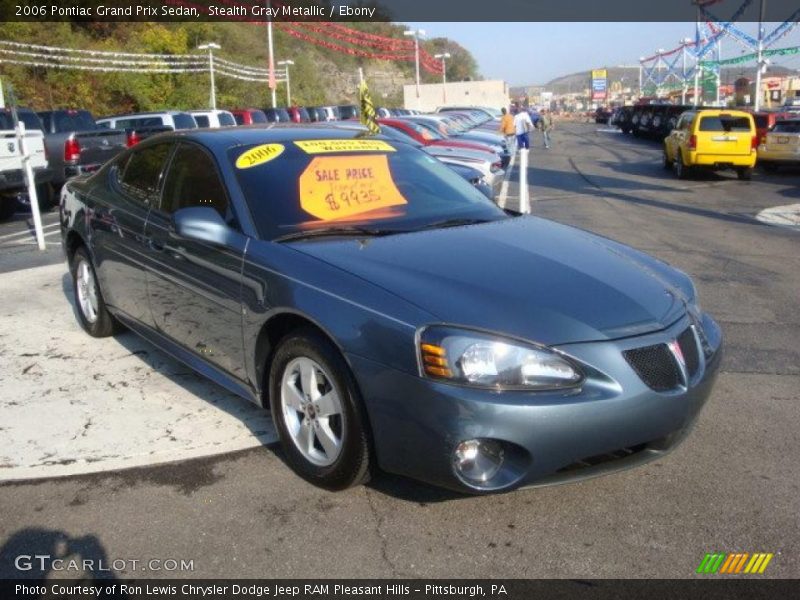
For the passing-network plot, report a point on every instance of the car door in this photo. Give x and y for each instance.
(118, 221)
(195, 286)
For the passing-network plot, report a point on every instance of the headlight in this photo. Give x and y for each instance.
(484, 360)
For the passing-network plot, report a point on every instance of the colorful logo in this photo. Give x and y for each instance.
(734, 563)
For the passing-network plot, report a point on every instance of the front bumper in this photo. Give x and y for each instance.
(614, 421)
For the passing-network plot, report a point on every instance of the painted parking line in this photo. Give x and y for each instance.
(503, 197)
(30, 232)
(781, 216)
(74, 404)
(28, 241)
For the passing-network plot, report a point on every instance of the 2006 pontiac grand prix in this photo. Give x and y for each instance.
(386, 312)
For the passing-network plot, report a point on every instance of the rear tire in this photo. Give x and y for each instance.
(681, 170)
(744, 174)
(318, 412)
(89, 304)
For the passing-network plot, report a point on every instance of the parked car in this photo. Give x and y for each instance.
(448, 128)
(765, 120)
(427, 137)
(174, 119)
(386, 312)
(277, 115)
(712, 139)
(602, 115)
(75, 145)
(486, 163)
(348, 111)
(213, 118)
(248, 116)
(298, 114)
(781, 145)
(331, 113)
(13, 187)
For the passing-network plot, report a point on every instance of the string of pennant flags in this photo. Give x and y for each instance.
(36, 55)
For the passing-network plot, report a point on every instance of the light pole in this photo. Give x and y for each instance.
(641, 68)
(660, 64)
(760, 64)
(287, 63)
(271, 52)
(211, 46)
(416, 33)
(443, 57)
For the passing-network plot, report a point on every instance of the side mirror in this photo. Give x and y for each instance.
(201, 223)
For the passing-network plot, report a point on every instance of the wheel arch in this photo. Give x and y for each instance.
(270, 334)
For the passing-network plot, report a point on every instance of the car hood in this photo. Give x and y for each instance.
(526, 277)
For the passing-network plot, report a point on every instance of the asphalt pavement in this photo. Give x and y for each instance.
(733, 486)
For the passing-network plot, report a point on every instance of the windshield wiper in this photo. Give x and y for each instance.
(336, 231)
(459, 222)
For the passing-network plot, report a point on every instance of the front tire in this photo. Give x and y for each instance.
(668, 164)
(89, 304)
(318, 412)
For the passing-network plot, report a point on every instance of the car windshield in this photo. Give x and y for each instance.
(369, 185)
(74, 120)
(348, 112)
(724, 123)
(787, 127)
(435, 127)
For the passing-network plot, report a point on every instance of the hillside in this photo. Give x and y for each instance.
(318, 76)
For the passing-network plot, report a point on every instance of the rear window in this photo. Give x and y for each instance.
(348, 112)
(787, 127)
(73, 120)
(258, 116)
(723, 123)
(226, 120)
(139, 122)
(184, 121)
(296, 190)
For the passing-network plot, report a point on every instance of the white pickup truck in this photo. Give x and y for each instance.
(12, 179)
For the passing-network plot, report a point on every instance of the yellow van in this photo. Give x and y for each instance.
(712, 139)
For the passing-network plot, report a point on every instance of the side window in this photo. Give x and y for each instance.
(193, 180)
(143, 173)
(202, 120)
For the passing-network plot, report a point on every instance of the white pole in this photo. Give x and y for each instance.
(524, 199)
(416, 60)
(271, 50)
(719, 69)
(288, 88)
(697, 69)
(683, 77)
(2, 97)
(211, 71)
(30, 182)
(759, 66)
(444, 80)
(360, 75)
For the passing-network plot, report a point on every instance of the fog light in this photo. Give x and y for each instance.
(477, 461)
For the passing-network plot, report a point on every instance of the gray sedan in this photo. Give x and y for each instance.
(386, 312)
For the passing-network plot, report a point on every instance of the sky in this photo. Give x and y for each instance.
(535, 53)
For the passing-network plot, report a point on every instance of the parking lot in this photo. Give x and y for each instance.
(236, 510)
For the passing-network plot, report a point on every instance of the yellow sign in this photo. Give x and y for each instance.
(599, 74)
(259, 155)
(337, 187)
(327, 146)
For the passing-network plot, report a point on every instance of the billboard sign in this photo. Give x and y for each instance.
(599, 84)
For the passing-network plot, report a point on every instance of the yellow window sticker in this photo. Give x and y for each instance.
(327, 146)
(259, 155)
(337, 187)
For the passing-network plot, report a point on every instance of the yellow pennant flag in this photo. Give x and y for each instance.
(368, 116)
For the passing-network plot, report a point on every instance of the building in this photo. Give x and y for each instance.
(462, 93)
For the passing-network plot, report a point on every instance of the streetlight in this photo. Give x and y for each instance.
(641, 66)
(443, 57)
(416, 33)
(211, 46)
(287, 63)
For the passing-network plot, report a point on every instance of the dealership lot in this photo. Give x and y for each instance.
(733, 485)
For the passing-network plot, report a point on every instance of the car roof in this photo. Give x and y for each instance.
(144, 114)
(222, 139)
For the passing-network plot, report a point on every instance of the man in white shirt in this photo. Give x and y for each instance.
(522, 127)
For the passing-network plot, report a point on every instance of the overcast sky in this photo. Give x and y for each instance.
(528, 53)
